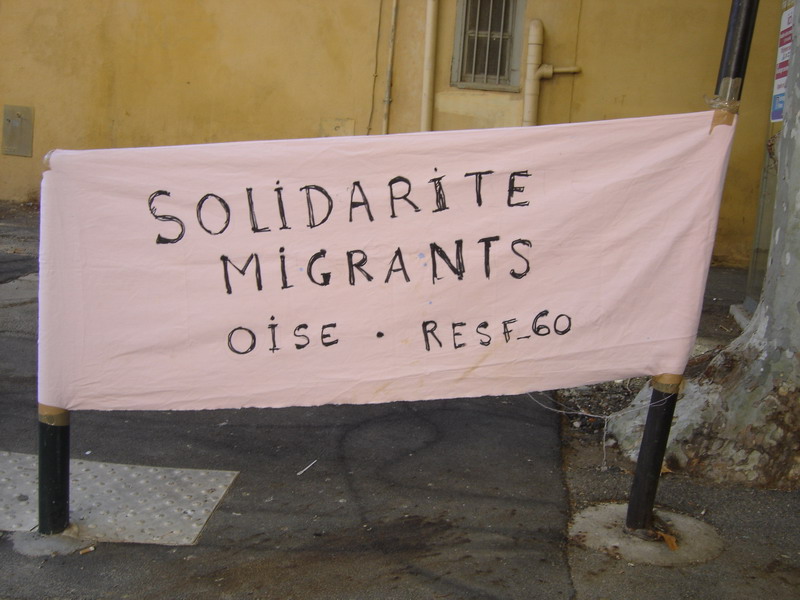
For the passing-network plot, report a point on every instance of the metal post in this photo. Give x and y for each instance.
(728, 91)
(651, 452)
(733, 64)
(53, 469)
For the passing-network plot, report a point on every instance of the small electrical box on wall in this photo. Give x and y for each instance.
(18, 130)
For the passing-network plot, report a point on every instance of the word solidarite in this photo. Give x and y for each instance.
(242, 340)
(317, 196)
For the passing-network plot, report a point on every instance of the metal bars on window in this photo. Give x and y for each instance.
(486, 46)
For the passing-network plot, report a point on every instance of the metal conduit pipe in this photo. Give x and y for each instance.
(426, 118)
(536, 71)
(387, 99)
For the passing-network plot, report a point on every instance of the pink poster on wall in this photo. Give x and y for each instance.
(375, 269)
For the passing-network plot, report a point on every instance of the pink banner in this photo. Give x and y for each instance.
(374, 269)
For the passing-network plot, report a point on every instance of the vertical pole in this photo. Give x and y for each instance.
(651, 452)
(741, 23)
(730, 79)
(429, 66)
(53, 469)
(387, 99)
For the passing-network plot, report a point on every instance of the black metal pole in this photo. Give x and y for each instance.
(53, 469)
(651, 452)
(730, 79)
(741, 23)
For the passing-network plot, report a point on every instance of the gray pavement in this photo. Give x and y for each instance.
(466, 498)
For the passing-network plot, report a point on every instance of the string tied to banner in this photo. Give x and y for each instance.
(563, 409)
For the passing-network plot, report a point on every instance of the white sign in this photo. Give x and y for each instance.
(373, 269)
(782, 65)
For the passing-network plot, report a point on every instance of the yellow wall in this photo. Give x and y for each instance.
(112, 73)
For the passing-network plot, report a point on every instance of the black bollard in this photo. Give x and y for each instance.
(53, 469)
(651, 452)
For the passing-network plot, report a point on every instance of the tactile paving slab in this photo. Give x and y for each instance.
(117, 503)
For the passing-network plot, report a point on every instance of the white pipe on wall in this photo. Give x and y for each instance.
(530, 100)
(536, 71)
(428, 71)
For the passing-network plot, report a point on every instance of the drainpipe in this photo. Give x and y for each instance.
(426, 118)
(387, 99)
(535, 72)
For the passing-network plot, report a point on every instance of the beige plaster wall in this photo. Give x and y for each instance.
(112, 73)
(54, 62)
(665, 59)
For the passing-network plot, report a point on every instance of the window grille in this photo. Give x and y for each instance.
(486, 55)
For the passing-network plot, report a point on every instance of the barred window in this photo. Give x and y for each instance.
(487, 44)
